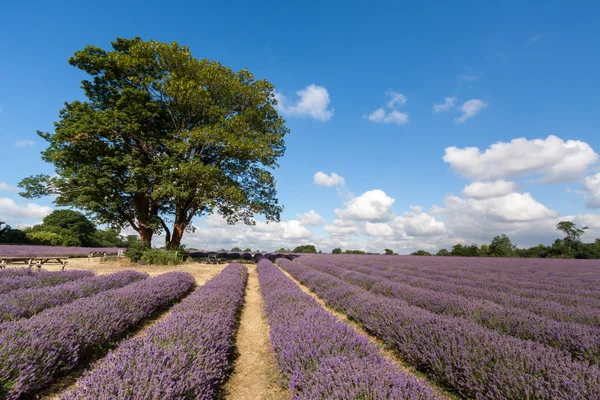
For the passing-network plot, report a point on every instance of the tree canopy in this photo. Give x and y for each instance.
(308, 248)
(163, 137)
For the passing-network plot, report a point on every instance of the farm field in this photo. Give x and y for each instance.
(315, 327)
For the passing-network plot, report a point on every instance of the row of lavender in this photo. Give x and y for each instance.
(35, 351)
(26, 302)
(445, 270)
(566, 275)
(581, 341)
(24, 278)
(473, 361)
(323, 358)
(492, 283)
(185, 356)
(580, 311)
(10, 250)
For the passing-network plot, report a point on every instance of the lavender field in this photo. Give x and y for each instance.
(335, 327)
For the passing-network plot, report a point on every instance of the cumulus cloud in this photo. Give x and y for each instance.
(392, 117)
(396, 98)
(373, 206)
(486, 190)
(449, 102)
(592, 185)
(24, 143)
(378, 229)
(322, 179)
(311, 218)
(552, 158)
(341, 228)
(10, 210)
(313, 102)
(470, 109)
(7, 188)
(417, 223)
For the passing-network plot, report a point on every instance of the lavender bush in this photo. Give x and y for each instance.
(583, 342)
(323, 358)
(41, 279)
(27, 302)
(185, 356)
(34, 351)
(474, 361)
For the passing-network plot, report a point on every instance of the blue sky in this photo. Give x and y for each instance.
(509, 69)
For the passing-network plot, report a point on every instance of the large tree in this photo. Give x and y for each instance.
(162, 138)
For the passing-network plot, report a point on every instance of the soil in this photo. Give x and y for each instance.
(254, 375)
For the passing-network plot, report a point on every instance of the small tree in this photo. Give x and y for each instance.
(501, 246)
(248, 250)
(420, 253)
(443, 253)
(237, 249)
(337, 250)
(389, 251)
(572, 233)
(308, 248)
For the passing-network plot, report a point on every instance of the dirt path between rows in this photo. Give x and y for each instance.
(201, 272)
(389, 354)
(254, 375)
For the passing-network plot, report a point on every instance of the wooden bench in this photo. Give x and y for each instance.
(213, 258)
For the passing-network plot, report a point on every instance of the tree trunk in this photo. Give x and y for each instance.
(176, 236)
(146, 236)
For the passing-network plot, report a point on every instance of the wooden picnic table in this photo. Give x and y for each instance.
(38, 261)
(213, 258)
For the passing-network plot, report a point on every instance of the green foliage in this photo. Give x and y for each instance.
(135, 249)
(236, 249)
(421, 253)
(465, 251)
(163, 137)
(389, 251)
(162, 257)
(337, 250)
(110, 237)
(248, 250)
(501, 246)
(10, 235)
(354, 252)
(282, 250)
(308, 248)
(47, 238)
(443, 252)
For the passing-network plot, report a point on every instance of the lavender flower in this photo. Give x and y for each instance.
(34, 351)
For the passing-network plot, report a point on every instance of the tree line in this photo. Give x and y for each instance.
(570, 246)
(66, 228)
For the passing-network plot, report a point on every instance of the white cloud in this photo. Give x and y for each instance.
(9, 210)
(373, 206)
(6, 188)
(592, 185)
(380, 116)
(322, 179)
(341, 228)
(378, 229)
(486, 190)
(311, 218)
(470, 109)
(419, 224)
(24, 143)
(514, 207)
(449, 102)
(396, 98)
(470, 76)
(392, 117)
(313, 102)
(553, 158)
